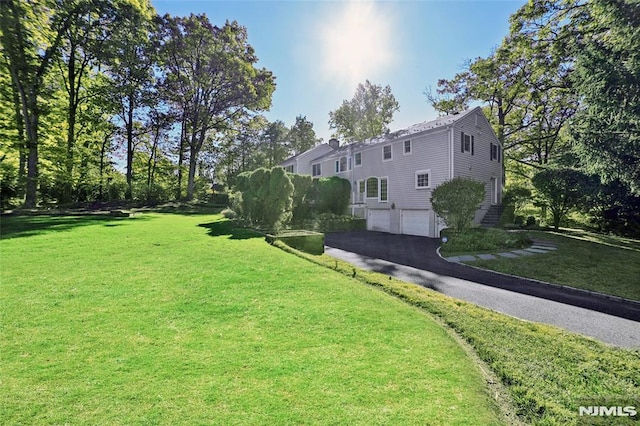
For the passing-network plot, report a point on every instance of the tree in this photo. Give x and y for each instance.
(273, 145)
(606, 131)
(215, 83)
(84, 44)
(301, 136)
(31, 34)
(365, 116)
(456, 202)
(562, 189)
(132, 56)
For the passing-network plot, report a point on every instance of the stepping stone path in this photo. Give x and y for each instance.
(538, 247)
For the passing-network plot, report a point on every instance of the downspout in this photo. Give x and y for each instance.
(451, 153)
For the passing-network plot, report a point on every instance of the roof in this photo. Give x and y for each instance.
(409, 131)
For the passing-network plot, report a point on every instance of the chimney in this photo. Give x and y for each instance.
(334, 143)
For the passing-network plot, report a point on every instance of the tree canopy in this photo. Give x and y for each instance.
(367, 115)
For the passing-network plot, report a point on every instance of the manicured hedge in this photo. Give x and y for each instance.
(335, 223)
(306, 241)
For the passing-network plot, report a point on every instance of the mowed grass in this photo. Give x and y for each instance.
(179, 319)
(548, 372)
(601, 263)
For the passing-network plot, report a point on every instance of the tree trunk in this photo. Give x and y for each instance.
(21, 143)
(71, 124)
(30, 112)
(183, 136)
(192, 172)
(129, 193)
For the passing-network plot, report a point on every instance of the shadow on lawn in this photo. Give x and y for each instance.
(30, 225)
(222, 228)
(227, 228)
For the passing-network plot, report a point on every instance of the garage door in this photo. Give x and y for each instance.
(415, 222)
(378, 220)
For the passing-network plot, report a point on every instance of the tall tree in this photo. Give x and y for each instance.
(84, 42)
(365, 116)
(130, 66)
(31, 34)
(607, 128)
(302, 136)
(273, 146)
(214, 79)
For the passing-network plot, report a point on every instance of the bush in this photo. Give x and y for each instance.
(508, 215)
(229, 214)
(328, 222)
(264, 198)
(331, 195)
(306, 241)
(456, 202)
(531, 221)
(302, 186)
(221, 198)
(483, 240)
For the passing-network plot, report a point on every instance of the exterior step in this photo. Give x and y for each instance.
(492, 216)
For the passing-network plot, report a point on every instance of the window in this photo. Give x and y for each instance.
(422, 179)
(316, 169)
(467, 143)
(360, 189)
(341, 165)
(386, 153)
(358, 159)
(495, 152)
(407, 147)
(289, 169)
(372, 187)
(384, 189)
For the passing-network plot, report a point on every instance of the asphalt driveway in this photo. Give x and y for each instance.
(420, 253)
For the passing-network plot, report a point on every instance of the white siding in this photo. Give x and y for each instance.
(478, 166)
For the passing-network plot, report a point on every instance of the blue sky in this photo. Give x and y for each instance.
(320, 50)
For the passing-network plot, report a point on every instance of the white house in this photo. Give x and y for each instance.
(392, 176)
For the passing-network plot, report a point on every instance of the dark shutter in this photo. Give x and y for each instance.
(462, 142)
(499, 153)
(472, 145)
(491, 152)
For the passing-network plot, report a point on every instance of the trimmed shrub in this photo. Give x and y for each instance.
(456, 202)
(328, 222)
(306, 241)
(302, 186)
(331, 195)
(263, 198)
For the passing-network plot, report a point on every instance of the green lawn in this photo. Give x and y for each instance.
(179, 319)
(548, 372)
(606, 264)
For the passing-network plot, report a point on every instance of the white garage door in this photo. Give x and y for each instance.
(415, 222)
(378, 220)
